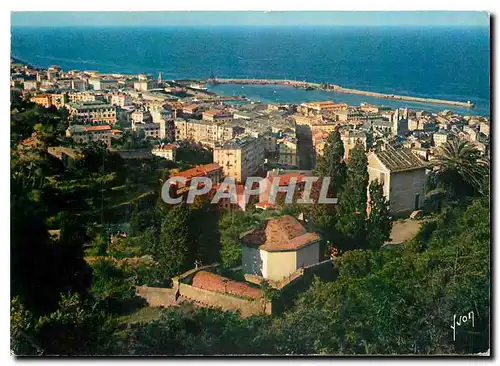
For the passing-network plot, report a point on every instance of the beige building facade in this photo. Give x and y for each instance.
(240, 157)
(403, 175)
(91, 113)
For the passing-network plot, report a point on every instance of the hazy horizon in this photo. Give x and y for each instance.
(252, 18)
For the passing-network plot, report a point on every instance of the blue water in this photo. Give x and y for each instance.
(442, 63)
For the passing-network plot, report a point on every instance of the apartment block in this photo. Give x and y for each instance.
(92, 113)
(240, 157)
(87, 134)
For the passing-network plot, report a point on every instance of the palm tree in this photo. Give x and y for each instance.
(461, 168)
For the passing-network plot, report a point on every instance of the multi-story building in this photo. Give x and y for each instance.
(149, 129)
(121, 100)
(80, 85)
(81, 97)
(440, 138)
(163, 116)
(484, 128)
(140, 116)
(199, 131)
(176, 108)
(86, 134)
(240, 157)
(45, 100)
(59, 100)
(108, 84)
(320, 107)
(141, 85)
(287, 150)
(92, 113)
(217, 116)
(30, 84)
(103, 84)
(351, 138)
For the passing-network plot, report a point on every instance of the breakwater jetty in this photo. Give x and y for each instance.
(336, 89)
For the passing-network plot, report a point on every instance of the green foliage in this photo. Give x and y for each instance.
(74, 328)
(194, 154)
(462, 170)
(188, 233)
(379, 223)
(231, 226)
(330, 165)
(351, 223)
(270, 293)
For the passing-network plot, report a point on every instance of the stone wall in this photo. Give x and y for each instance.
(225, 302)
(182, 291)
(157, 296)
(133, 153)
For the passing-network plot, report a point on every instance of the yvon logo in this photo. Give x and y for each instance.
(461, 321)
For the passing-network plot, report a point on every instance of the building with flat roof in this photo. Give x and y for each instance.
(86, 134)
(121, 100)
(217, 116)
(240, 157)
(200, 130)
(92, 113)
(81, 97)
(320, 107)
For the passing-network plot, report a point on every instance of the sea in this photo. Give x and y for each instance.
(451, 63)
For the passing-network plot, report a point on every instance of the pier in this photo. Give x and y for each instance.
(337, 89)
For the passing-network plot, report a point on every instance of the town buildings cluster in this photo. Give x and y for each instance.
(273, 141)
(248, 138)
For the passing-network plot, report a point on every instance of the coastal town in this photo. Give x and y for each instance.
(149, 121)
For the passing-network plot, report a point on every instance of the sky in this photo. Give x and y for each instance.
(249, 18)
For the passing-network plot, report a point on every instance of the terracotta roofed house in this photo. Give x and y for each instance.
(212, 171)
(279, 248)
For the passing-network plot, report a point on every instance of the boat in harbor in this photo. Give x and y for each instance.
(198, 87)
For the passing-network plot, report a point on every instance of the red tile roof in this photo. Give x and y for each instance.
(199, 171)
(166, 147)
(98, 128)
(191, 107)
(212, 282)
(282, 234)
(284, 180)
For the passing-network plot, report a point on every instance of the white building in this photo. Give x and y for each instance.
(279, 249)
(166, 151)
(440, 138)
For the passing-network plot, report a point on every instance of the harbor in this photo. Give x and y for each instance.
(336, 88)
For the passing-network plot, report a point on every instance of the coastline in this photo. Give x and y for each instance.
(338, 89)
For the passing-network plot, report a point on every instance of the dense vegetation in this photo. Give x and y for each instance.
(72, 291)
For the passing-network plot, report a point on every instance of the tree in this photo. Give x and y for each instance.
(462, 170)
(231, 226)
(330, 165)
(351, 222)
(379, 220)
(174, 251)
